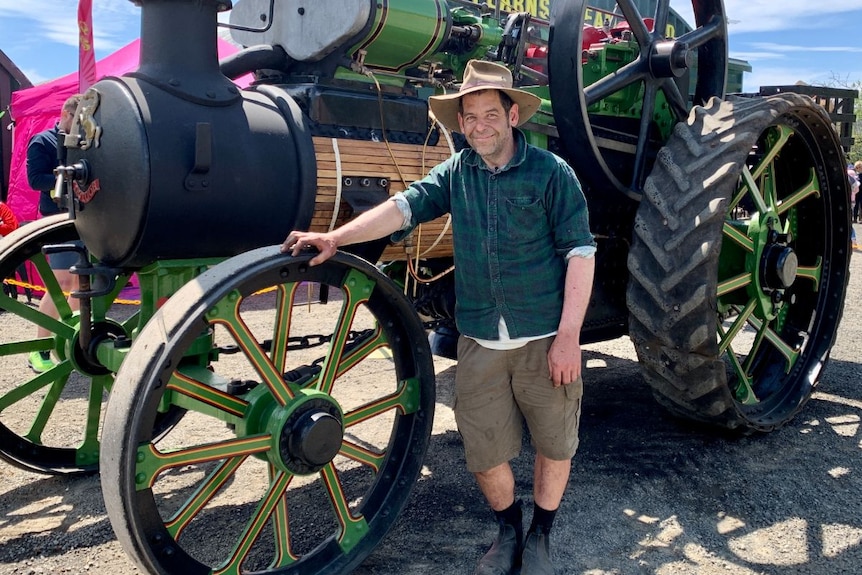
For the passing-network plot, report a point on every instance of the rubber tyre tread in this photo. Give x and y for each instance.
(673, 261)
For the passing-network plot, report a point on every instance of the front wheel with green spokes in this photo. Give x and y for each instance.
(305, 429)
(49, 422)
(739, 262)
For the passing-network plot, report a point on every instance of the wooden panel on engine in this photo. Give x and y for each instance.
(343, 164)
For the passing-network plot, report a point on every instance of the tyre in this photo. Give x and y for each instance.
(739, 261)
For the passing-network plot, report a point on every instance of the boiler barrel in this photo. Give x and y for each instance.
(172, 177)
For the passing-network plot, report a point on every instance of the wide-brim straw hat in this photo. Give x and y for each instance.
(483, 75)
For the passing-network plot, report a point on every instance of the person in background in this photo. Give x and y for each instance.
(524, 265)
(8, 221)
(8, 224)
(42, 158)
(857, 207)
(853, 187)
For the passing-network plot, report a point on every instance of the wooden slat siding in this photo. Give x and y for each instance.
(372, 159)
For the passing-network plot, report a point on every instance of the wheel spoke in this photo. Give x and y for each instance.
(362, 455)
(737, 282)
(374, 341)
(699, 36)
(152, 462)
(789, 352)
(755, 347)
(809, 190)
(88, 451)
(52, 287)
(202, 495)
(281, 329)
(726, 338)
(639, 167)
(780, 137)
(29, 388)
(744, 392)
(200, 386)
(34, 316)
(636, 22)
(352, 527)
(662, 13)
(281, 527)
(629, 74)
(812, 273)
(356, 289)
(753, 191)
(256, 524)
(227, 314)
(738, 237)
(677, 102)
(49, 403)
(406, 399)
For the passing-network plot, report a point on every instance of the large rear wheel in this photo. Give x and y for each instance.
(615, 106)
(739, 261)
(293, 457)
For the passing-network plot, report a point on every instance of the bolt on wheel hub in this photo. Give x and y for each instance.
(307, 433)
(781, 265)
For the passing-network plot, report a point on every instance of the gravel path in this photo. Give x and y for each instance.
(647, 494)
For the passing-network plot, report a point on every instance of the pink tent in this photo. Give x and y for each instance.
(38, 108)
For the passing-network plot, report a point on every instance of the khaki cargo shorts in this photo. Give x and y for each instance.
(496, 391)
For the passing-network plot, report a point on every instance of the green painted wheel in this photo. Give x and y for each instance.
(49, 422)
(292, 457)
(739, 262)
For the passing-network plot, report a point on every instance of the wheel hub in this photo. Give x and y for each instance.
(307, 433)
(670, 59)
(780, 267)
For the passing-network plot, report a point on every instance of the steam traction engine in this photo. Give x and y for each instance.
(722, 224)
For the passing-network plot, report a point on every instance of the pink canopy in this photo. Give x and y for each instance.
(38, 108)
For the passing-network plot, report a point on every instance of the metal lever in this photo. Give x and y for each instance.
(78, 171)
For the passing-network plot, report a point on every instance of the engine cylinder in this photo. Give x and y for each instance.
(181, 163)
(392, 35)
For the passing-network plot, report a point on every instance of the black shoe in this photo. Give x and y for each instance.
(536, 557)
(503, 556)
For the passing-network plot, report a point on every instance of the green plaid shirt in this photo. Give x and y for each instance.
(511, 230)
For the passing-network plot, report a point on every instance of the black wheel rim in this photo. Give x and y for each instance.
(311, 509)
(617, 153)
(783, 268)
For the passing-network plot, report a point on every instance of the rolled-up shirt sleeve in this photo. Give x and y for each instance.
(405, 209)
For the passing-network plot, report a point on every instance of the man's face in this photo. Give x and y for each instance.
(66, 117)
(487, 126)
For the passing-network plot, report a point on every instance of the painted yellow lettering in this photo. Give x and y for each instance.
(544, 10)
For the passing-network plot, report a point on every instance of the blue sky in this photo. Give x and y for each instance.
(784, 40)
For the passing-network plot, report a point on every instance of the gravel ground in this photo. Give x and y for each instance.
(647, 494)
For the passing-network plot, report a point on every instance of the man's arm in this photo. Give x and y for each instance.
(380, 221)
(564, 357)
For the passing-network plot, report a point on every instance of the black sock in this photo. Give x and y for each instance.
(45, 354)
(543, 519)
(513, 516)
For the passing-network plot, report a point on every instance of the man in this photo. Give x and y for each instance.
(524, 271)
(41, 161)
